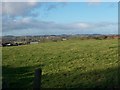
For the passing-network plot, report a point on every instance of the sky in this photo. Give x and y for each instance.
(62, 17)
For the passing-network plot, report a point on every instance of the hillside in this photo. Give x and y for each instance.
(65, 64)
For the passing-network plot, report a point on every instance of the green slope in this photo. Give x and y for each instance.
(65, 64)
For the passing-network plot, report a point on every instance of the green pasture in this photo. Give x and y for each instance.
(65, 64)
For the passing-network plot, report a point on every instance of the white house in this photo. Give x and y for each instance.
(33, 42)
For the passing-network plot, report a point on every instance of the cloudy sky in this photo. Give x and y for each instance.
(46, 18)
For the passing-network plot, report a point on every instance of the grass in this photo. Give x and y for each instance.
(65, 64)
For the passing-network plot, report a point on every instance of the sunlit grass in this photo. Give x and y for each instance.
(71, 63)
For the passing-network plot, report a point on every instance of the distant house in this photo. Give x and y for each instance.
(6, 44)
(0, 43)
(33, 42)
(64, 39)
(47, 37)
(116, 37)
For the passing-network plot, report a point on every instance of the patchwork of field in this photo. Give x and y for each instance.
(65, 64)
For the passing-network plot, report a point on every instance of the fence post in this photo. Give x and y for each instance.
(37, 79)
(5, 85)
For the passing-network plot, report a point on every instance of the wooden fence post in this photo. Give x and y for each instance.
(37, 79)
(5, 85)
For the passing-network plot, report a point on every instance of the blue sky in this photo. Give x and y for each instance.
(25, 18)
(75, 12)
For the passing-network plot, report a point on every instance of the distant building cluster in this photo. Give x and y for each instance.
(25, 40)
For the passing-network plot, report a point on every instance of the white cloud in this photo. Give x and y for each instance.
(61, 0)
(26, 9)
(32, 2)
(18, 9)
(29, 23)
(82, 25)
(94, 0)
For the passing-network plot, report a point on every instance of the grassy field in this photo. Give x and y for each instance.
(65, 64)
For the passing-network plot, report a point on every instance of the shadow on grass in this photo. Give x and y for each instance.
(22, 77)
(18, 77)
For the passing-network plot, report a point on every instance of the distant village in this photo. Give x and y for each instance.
(25, 40)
